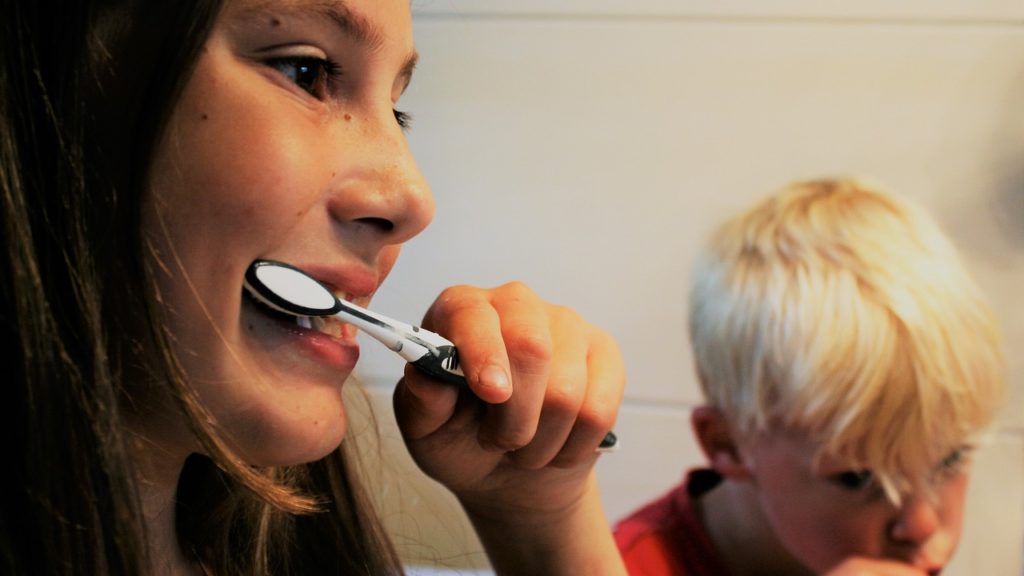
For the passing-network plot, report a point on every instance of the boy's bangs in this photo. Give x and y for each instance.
(838, 312)
(900, 361)
(888, 393)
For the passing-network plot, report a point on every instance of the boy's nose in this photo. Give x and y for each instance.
(917, 519)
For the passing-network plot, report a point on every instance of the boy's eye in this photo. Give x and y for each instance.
(954, 458)
(312, 74)
(953, 462)
(852, 480)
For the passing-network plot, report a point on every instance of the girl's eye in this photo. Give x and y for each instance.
(852, 480)
(312, 74)
(404, 119)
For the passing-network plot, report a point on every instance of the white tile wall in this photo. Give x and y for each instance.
(588, 147)
(956, 11)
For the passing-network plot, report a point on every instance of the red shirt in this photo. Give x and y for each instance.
(666, 537)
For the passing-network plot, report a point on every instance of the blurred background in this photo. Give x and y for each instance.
(587, 148)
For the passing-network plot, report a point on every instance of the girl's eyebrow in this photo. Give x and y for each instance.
(338, 12)
(405, 75)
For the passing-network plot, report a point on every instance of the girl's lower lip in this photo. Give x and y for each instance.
(338, 353)
(335, 352)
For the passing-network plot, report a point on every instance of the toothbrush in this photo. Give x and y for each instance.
(288, 289)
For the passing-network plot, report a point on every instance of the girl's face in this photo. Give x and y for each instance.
(285, 145)
(825, 513)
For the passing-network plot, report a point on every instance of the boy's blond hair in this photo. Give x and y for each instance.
(839, 312)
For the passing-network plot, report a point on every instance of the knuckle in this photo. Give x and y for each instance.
(454, 298)
(595, 418)
(513, 438)
(565, 314)
(562, 401)
(528, 345)
(568, 461)
(517, 290)
(606, 341)
(566, 320)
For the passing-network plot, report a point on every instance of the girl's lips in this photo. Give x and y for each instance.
(340, 353)
(358, 282)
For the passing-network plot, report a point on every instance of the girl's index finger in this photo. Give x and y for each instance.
(465, 316)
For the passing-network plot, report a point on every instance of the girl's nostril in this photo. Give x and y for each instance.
(382, 224)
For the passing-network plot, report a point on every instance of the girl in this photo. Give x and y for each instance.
(160, 421)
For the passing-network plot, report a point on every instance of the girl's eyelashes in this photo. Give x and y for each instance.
(852, 480)
(404, 119)
(310, 73)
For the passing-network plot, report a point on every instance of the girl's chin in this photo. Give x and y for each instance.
(287, 441)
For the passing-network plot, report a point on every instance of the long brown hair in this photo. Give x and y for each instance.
(85, 91)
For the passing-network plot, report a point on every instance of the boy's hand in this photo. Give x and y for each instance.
(873, 567)
(518, 446)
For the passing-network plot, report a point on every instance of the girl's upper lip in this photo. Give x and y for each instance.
(355, 280)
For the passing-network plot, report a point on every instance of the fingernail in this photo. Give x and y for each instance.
(495, 377)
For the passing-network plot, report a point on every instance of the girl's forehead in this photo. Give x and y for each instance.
(356, 13)
(373, 23)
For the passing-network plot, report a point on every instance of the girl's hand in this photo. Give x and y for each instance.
(517, 447)
(544, 389)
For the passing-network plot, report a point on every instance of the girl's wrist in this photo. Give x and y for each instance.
(571, 539)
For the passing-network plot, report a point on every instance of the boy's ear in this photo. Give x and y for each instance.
(718, 442)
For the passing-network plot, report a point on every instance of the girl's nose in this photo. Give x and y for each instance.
(382, 194)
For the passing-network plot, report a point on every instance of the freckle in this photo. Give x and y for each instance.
(348, 117)
(275, 22)
(205, 116)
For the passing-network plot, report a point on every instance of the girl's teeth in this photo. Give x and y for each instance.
(329, 326)
(320, 324)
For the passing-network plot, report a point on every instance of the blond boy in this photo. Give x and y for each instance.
(849, 365)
